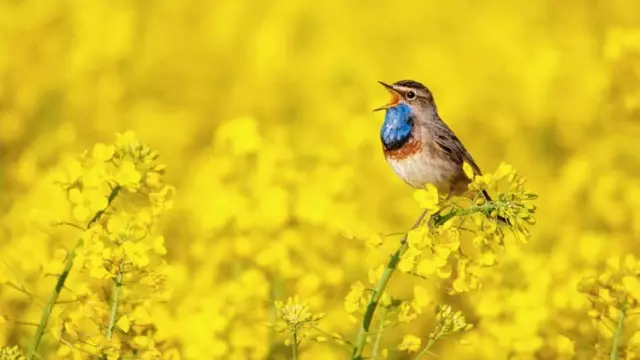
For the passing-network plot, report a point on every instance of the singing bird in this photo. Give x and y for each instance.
(419, 146)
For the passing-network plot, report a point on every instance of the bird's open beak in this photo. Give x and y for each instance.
(395, 97)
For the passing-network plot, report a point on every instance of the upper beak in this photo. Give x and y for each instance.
(394, 100)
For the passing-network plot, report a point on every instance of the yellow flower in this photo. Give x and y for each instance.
(293, 312)
(141, 342)
(504, 170)
(158, 245)
(152, 354)
(355, 300)
(56, 264)
(117, 226)
(375, 274)
(426, 267)
(410, 343)
(488, 258)
(297, 318)
(80, 212)
(468, 170)
(408, 259)
(102, 152)
(421, 296)
(128, 176)
(374, 241)
(427, 198)
(95, 176)
(171, 354)
(11, 353)
(96, 268)
(137, 253)
(449, 321)
(407, 312)
(241, 135)
(445, 271)
(419, 237)
(96, 201)
(86, 203)
(124, 323)
(127, 140)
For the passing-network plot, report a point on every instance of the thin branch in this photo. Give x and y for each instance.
(20, 289)
(294, 342)
(617, 335)
(71, 224)
(117, 287)
(19, 285)
(335, 337)
(427, 348)
(21, 323)
(376, 344)
(112, 196)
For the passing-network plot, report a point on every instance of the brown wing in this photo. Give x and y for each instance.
(449, 143)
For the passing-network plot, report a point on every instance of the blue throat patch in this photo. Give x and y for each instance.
(397, 127)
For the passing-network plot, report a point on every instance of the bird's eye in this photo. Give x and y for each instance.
(411, 95)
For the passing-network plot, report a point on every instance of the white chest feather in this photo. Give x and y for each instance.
(419, 169)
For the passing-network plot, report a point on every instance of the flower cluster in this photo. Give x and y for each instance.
(463, 237)
(115, 274)
(447, 322)
(296, 318)
(614, 285)
(613, 290)
(11, 353)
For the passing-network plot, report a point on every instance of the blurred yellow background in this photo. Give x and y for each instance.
(261, 111)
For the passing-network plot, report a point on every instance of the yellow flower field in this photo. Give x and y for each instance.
(205, 180)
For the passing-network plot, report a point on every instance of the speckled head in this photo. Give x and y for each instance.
(409, 91)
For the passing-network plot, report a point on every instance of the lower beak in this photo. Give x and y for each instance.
(394, 100)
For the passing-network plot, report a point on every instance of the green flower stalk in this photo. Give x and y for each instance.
(62, 278)
(617, 335)
(117, 287)
(294, 343)
(296, 317)
(374, 299)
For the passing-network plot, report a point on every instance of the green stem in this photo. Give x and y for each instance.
(335, 337)
(617, 335)
(361, 338)
(275, 293)
(484, 208)
(432, 340)
(46, 312)
(294, 343)
(116, 300)
(376, 344)
(114, 192)
(32, 351)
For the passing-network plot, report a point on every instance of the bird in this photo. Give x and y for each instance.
(419, 146)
